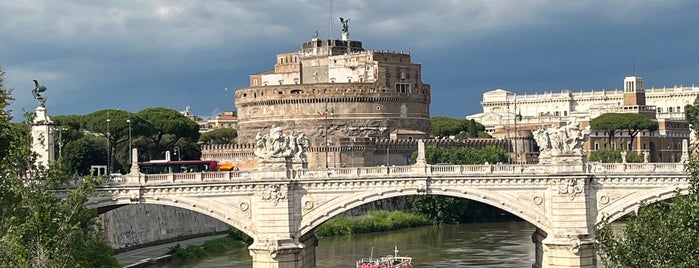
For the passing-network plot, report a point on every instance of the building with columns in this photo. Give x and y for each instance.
(512, 116)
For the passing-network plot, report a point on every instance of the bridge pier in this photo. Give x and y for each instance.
(285, 254)
(571, 241)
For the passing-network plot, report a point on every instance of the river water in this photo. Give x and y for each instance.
(462, 245)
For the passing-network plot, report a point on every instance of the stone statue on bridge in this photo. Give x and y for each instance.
(278, 145)
(566, 141)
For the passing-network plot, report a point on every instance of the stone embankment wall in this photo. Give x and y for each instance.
(133, 225)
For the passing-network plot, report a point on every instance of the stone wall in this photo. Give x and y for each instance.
(132, 225)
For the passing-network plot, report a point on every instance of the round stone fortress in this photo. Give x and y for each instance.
(338, 86)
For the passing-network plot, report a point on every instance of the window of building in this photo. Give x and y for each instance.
(644, 146)
(403, 87)
(669, 109)
(255, 82)
(565, 113)
(678, 109)
(628, 146)
(596, 145)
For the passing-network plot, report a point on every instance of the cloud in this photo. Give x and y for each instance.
(140, 53)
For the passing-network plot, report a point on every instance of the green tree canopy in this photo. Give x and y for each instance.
(442, 126)
(112, 124)
(615, 123)
(614, 156)
(78, 156)
(168, 127)
(219, 136)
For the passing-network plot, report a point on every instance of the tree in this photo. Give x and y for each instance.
(78, 156)
(663, 234)
(112, 124)
(442, 126)
(615, 123)
(167, 128)
(219, 136)
(38, 228)
(614, 156)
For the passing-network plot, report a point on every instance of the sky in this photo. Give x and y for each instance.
(135, 54)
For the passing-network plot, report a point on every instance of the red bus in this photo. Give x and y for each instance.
(164, 167)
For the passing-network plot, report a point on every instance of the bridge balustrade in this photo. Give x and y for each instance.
(638, 168)
(404, 171)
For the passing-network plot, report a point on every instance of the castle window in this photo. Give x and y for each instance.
(678, 109)
(255, 82)
(402, 87)
(596, 145)
(565, 113)
(669, 109)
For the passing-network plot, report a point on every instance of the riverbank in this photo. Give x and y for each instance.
(154, 252)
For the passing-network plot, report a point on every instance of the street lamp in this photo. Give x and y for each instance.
(109, 155)
(129, 122)
(177, 153)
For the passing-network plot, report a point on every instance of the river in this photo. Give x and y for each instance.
(462, 245)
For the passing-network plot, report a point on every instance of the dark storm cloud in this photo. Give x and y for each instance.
(135, 54)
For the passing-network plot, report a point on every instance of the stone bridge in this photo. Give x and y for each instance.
(281, 206)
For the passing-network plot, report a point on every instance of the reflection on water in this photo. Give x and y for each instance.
(464, 245)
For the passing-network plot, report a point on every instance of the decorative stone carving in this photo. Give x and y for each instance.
(278, 145)
(538, 200)
(569, 187)
(272, 246)
(565, 140)
(275, 193)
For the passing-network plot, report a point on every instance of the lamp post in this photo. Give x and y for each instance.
(109, 147)
(129, 122)
(177, 153)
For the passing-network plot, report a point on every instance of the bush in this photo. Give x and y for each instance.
(373, 221)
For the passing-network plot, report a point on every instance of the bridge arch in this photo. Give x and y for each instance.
(499, 200)
(204, 207)
(632, 202)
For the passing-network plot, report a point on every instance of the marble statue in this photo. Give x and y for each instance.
(276, 144)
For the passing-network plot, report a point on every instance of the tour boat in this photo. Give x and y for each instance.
(390, 261)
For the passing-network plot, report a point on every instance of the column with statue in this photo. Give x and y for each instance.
(43, 129)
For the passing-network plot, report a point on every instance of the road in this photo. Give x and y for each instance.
(136, 255)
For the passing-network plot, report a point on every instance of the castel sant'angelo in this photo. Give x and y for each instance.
(358, 107)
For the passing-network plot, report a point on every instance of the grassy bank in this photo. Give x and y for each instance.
(214, 247)
(373, 221)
